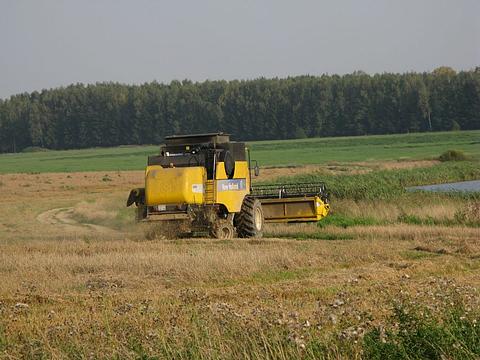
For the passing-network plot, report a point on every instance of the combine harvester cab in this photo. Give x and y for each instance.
(202, 183)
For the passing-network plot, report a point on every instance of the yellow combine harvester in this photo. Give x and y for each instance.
(203, 183)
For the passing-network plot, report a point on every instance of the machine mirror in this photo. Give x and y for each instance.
(256, 170)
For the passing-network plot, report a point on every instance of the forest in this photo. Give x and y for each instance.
(110, 114)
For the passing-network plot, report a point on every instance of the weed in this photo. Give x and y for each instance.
(421, 336)
(346, 221)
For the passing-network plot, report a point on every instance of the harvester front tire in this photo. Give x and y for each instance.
(223, 230)
(250, 221)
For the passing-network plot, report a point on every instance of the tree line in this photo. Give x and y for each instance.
(109, 114)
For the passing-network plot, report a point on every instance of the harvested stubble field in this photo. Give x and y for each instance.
(395, 276)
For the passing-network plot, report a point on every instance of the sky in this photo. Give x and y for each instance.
(51, 43)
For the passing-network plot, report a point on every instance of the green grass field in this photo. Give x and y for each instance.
(268, 153)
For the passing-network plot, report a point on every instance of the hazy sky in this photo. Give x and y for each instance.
(48, 43)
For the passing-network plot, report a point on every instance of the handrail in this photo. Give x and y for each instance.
(289, 190)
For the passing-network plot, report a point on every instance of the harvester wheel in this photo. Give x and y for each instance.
(223, 229)
(250, 220)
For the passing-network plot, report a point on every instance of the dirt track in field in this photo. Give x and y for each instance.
(64, 217)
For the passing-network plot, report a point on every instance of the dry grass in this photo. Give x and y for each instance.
(417, 205)
(100, 295)
(84, 294)
(383, 232)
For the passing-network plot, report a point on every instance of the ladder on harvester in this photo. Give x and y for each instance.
(209, 192)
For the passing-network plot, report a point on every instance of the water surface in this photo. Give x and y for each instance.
(462, 186)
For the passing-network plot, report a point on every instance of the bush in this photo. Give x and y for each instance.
(453, 155)
(300, 134)
(455, 126)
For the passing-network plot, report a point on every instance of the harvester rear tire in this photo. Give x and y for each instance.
(250, 221)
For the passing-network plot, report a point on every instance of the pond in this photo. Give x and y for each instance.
(463, 186)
